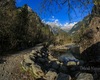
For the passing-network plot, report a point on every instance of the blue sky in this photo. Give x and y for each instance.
(59, 18)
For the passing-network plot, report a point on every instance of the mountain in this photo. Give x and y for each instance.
(56, 29)
(85, 22)
(61, 36)
(66, 29)
(20, 28)
(87, 31)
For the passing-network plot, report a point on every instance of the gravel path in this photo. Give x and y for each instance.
(10, 62)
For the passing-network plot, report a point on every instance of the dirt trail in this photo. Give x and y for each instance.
(7, 67)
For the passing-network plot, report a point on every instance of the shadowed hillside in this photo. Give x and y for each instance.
(20, 28)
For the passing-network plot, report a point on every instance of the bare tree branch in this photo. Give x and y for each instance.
(71, 5)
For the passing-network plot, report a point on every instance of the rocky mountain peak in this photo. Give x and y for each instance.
(29, 9)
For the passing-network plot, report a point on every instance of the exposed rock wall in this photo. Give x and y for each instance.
(91, 35)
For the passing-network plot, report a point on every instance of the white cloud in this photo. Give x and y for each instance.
(68, 26)
(55, 22)
(52, 22)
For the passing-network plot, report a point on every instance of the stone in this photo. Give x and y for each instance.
(70, 63)
(37, 71)
(62, 76)
(27, 59)
(27, 62)
(42, 60)
(33, 51)
(69, 60)
(81, 62)
(55, 65)
(32, 57)
(63, 69)
(51, 58)
(50, 75)
(85, 76)
(47, 66)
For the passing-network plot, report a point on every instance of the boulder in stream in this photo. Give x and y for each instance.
(62, 76)
(50, 75)
(85, 76)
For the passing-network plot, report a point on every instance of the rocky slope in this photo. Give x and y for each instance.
(87, 32)
(92, 34)
(95, 13)
(85, 22)
(20, 28)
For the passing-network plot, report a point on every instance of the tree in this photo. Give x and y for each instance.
(71, 5)
(96, 2)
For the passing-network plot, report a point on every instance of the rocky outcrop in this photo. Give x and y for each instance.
(87, 31)
(46, 66)
(91, 34)
(92, 54)
(50, 75)
(62, 76)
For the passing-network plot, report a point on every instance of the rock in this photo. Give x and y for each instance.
(74, 71)
(70, 63)
(29, 9)
(63, 76)
(33, 51)
(81, 62)
(63, 69)
(69, 60)
(51, 58)
(47, 66)
(27, 59)
(37, 71)
(27, 62)
(75, 68)
(91, 53)
(42, 60)
(85, 76)
(51, 46)
(51, 75)
(32, 57)
(55, 65)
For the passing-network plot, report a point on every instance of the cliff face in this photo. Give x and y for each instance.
(92, 34)
(85, 22)
(87, 31)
